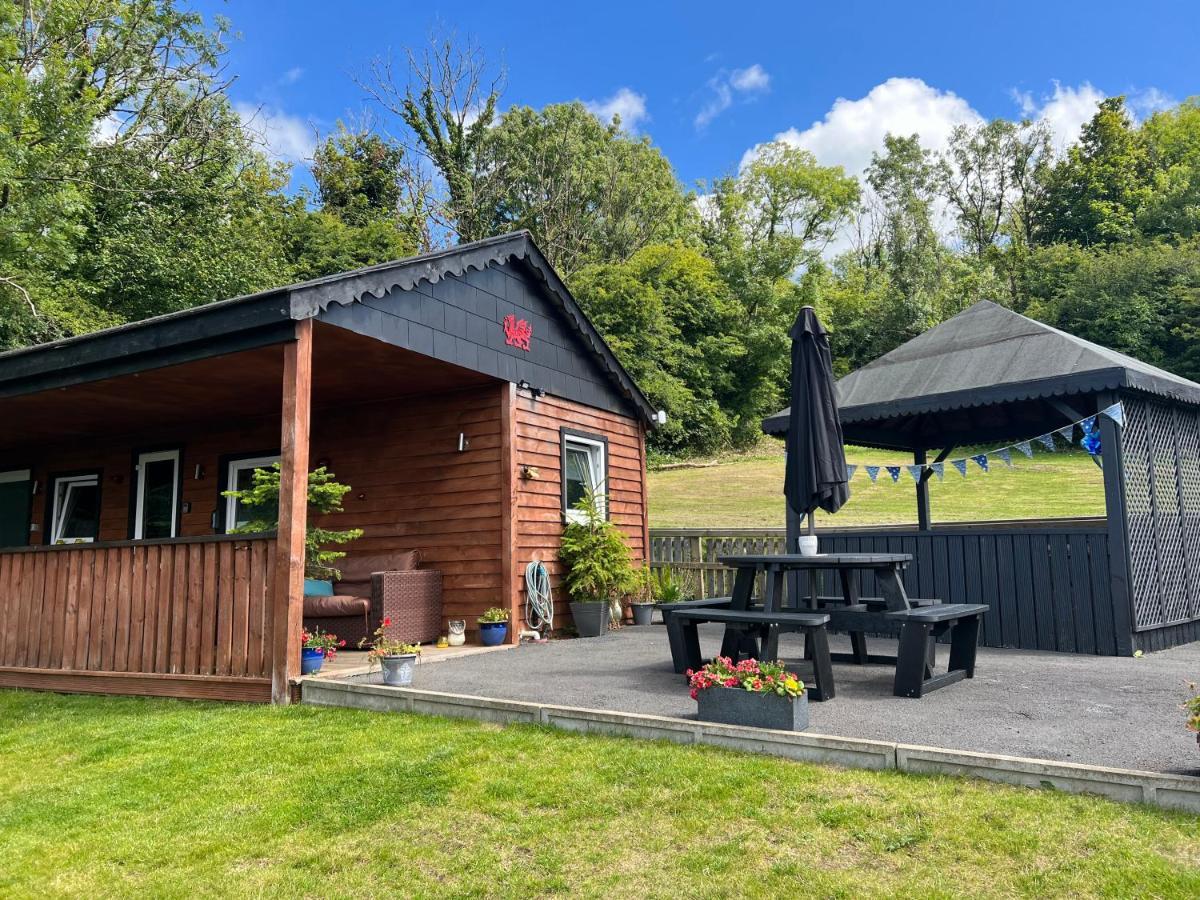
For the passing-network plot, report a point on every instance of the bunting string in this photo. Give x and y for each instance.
(1088, 429)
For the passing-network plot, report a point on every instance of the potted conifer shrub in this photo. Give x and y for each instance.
(324, 496)
(753, 693)
(599, 573)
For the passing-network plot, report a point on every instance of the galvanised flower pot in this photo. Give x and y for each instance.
(398, 670)
(492, 634)
(643, 613)
(311, 660)
(737, 706)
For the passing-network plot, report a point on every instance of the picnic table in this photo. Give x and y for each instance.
(921, 621)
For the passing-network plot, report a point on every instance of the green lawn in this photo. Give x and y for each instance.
(746, 490)
(112, 797)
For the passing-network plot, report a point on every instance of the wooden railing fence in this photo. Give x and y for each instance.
(196, 608)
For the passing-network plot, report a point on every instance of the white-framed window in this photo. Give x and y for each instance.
(75, 509)
(585, 467)
(240, 477)
(156, 501)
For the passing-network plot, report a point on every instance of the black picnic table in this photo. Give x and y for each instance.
(921, 620)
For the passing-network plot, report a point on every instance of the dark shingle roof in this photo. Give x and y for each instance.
(985, 356)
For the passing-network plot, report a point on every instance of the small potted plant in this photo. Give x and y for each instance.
(758, 694)
(493, 627)
(396, 659)
(317, 647)
(599, 573)
(641, 600)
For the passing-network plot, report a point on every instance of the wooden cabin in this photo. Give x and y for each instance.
(447, 390)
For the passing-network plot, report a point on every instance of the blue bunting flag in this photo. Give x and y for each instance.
(894, 471)
(1067, 433)
(939, 469)
(1006, 455)
(872, 473)
(1047, 441)
(961, 465)
(1116, 412)
(850, 470)
(915, 472)
(981, 460)
(1025, 447)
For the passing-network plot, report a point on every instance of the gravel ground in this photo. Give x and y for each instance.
(1084, 709)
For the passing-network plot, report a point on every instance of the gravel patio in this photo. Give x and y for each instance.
(1109, 711)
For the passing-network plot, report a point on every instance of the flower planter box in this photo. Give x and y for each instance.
(736, 706)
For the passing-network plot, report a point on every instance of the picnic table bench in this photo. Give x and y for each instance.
(921, 621)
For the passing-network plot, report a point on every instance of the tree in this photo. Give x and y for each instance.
(760, 229)
(669, 319)
(1095, 193)
(134, 75)
(588, 191)
(446, 104)
(1172, 140)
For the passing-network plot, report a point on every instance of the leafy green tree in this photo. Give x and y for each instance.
(668, 317)
(1096, 192)
(1172, 140)
(588, 191)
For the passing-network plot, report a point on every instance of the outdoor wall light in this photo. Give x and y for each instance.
(199, 473)
(530, 473)
(463, 441)
(524, 385)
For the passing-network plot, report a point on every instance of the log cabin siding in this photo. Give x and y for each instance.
(539, 514)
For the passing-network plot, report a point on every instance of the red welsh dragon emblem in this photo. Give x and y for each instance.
(517, 332)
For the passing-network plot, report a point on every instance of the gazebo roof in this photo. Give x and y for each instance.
(987, 373)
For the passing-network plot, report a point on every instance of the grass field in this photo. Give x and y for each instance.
(746, 490)
(123, 797)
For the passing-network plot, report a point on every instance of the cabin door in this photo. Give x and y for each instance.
(16, 496)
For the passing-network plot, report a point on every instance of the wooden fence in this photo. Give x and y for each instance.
(1046, 583)
(188, 617)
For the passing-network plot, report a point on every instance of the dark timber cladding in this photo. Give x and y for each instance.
(439, 387)
(989, 375)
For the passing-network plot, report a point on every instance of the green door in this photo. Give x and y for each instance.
(15, 497)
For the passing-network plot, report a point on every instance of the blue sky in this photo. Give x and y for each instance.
(709, 81)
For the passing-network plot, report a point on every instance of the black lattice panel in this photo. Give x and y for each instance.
(1139, 507)
(1188, 425)
(1172, 566)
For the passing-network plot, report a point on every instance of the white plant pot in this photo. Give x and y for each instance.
(807, 545)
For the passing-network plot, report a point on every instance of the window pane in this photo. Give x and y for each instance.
(579, 474)
(263, 512)
(80, 516)
(158, 499)
(14, 513)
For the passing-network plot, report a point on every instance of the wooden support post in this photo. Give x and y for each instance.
(510, 564)
(919, 459)
(288, 600)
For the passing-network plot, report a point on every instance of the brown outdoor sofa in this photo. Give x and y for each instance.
(379, 586)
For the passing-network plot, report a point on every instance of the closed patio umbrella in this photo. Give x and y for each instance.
(816, 460)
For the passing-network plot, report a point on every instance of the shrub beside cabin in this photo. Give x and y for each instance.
(450, 390)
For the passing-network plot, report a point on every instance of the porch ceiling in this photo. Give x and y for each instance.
(347, 368)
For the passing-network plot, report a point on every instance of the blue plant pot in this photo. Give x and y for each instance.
(315, 587)
(492, 634)
(311, 661)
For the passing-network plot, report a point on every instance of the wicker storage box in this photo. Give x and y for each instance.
(412, 600)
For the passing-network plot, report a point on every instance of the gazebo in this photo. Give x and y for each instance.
(1113, 585)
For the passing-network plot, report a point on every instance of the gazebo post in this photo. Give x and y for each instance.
(920, 458)
(1117, 525)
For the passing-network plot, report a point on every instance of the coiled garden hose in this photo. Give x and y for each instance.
(539, 601)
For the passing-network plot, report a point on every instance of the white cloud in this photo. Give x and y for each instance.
(292, 75)
(853, 130)
(625, 103)
(1065, 110)
(284, 136)
(726, 85)
(754, 78)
